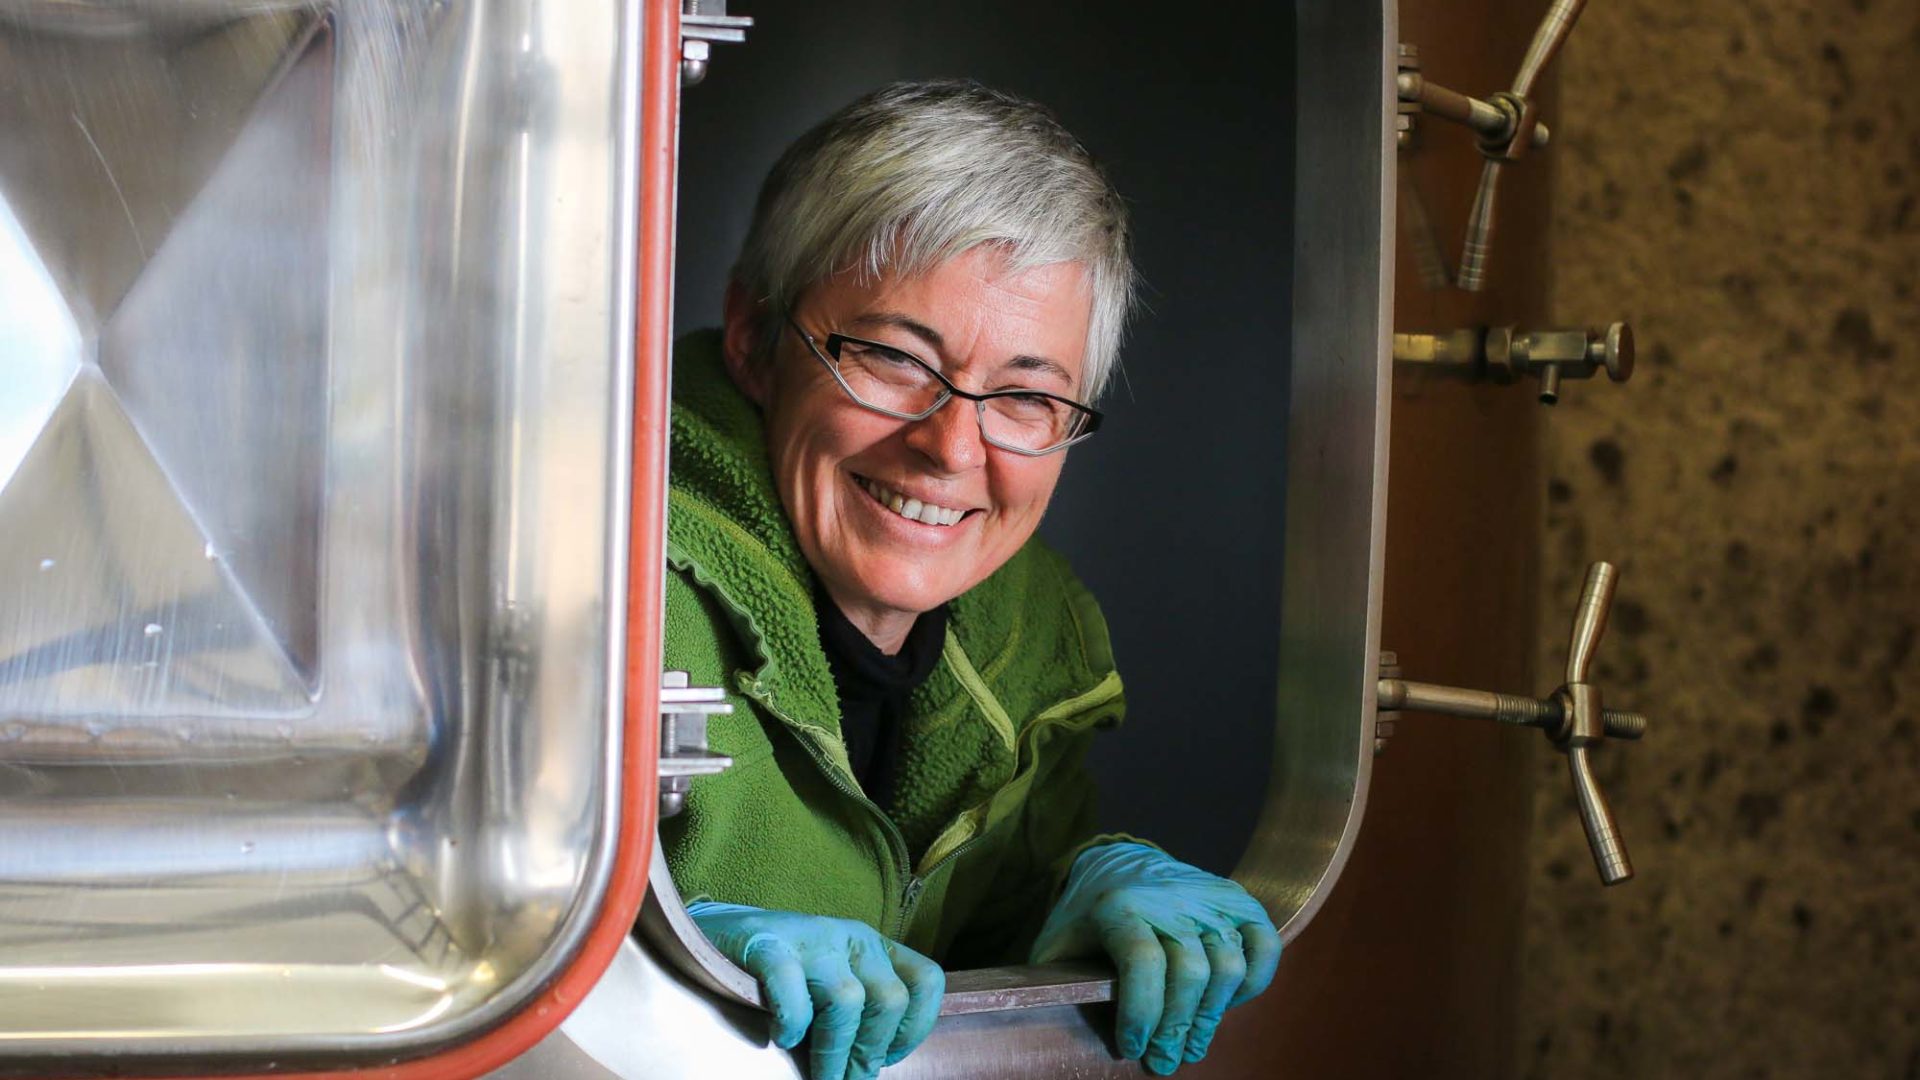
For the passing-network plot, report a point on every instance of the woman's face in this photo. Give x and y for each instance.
(837, 464)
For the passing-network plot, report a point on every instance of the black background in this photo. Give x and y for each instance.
(1173, 513)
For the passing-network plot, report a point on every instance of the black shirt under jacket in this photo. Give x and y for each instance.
(874, 687)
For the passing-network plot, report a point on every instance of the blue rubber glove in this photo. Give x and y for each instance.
(869, 1000)
(1187, 946)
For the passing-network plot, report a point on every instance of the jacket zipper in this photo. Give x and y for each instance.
(913, 885)
(917, 885)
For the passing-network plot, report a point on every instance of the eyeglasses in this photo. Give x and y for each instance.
(896, 383)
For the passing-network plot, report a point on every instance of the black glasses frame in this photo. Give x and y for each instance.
(830, 357)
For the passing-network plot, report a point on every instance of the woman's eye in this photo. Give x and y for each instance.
(873, 354)
(1028, 405)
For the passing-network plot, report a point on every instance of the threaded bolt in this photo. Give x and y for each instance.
(1624, 725)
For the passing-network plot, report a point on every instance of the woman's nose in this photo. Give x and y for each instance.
(950, 438)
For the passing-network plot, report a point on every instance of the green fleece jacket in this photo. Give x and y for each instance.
(992, 801)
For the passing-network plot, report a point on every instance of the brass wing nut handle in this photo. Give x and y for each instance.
(1508, 125)
(1572, 717)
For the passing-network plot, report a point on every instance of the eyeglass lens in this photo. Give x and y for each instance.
(891, 380)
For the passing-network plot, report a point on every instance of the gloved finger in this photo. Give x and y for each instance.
(1263, 958)
(1228, 964)
(880, 1015)
(926, 985)
(838, 999)
(1141, 986)
(1187, 975)
(770, 960)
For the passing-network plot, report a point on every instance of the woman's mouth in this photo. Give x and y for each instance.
(912, 509)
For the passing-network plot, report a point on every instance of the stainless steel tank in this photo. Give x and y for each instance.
(316, 363)
(332, 409)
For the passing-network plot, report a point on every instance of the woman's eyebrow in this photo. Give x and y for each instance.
(903, 322)
(899, 321)
(1041, 364)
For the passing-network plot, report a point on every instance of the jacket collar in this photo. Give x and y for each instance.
(730, 530)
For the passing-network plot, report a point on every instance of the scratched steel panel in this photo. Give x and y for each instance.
(314, 360)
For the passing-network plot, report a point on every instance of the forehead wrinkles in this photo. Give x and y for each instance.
(988, 310)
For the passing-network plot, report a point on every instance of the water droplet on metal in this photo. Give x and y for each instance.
(211, 554)
(154, 629)
(46, 564)
(246, 847)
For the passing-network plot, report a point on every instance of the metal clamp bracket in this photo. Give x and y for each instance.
(703, 22)
(1571, 716)
(683, 737)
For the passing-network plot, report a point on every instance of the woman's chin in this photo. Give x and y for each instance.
(903, 591)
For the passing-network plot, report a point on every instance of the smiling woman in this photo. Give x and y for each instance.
(830, 451)
(916, 678)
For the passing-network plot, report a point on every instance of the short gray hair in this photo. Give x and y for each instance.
(916, 173)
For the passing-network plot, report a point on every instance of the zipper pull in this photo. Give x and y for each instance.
(909, 899)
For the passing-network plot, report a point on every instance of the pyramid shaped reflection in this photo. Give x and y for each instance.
(40, 347)
(219, 351)
(160, 507)
(110, 129)
(117, 606)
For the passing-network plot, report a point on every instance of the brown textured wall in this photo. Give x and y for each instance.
(1739, 180)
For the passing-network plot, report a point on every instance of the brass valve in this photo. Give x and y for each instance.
(1551, 355)
(1572, 718)
(1505, 354)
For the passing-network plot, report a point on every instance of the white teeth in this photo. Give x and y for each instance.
(912, 509)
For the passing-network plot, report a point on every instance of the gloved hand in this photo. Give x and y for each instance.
(869, 1000)
(1187, 945)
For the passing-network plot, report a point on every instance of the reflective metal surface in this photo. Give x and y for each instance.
(645, 1020)
(1336, 457)
(315, 351)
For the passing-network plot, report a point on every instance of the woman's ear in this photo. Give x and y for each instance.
(739, 341)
